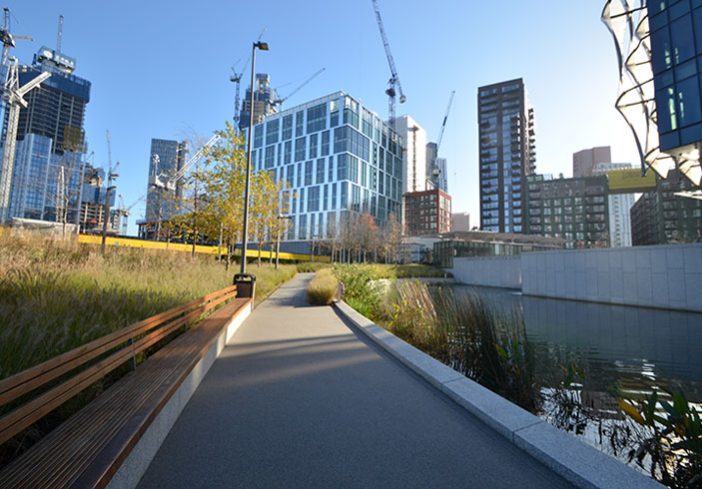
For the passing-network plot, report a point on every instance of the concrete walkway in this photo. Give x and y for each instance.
(299, 400)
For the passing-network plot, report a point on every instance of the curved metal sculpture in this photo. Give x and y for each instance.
(627, 21)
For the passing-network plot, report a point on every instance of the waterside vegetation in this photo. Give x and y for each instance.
(660, 432)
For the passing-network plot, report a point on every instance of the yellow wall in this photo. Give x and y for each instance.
(629, 181)
(208, 250)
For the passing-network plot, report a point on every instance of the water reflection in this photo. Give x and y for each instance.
(629, 346)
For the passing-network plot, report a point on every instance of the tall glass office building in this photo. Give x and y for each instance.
(676, 59)
(507, 154)
(659, 54)
(338, 159)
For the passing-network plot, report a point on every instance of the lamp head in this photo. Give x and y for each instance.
(262, 46)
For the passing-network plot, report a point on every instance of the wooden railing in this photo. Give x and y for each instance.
(117, 348)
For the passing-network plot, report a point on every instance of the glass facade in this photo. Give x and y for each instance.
(337, 158)
(49, 167)
(44, 182)
(162, 203)
(56, 109)
(265, 101)
(507, 154)
(661, 217)
(676, 59)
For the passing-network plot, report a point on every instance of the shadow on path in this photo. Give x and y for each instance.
(297, 400)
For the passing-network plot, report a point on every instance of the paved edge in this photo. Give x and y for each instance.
(572, 459)
(137, 462)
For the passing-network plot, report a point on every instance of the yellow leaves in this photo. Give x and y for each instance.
(631, 411)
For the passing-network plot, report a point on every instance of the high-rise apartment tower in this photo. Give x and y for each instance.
(507, 154)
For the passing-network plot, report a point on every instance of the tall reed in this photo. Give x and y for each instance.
(467, 333)
(56, 295)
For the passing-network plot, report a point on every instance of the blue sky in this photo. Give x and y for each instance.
(161, 69)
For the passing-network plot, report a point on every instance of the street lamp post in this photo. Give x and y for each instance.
(244, 244)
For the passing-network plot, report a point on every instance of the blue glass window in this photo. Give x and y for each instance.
(689, 101)
(287, 127)
(682, 39)
(300, 149)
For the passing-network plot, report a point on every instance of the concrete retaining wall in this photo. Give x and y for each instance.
(668, 276)
(579, 463)
(654, 276)
(498, 271)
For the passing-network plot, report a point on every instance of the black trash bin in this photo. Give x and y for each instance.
(245, 284)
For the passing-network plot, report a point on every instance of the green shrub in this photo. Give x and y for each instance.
(416, 270)
(361, 289)
(322, 289)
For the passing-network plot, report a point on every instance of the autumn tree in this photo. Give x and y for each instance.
(392, 242)
(367, 237)
(223, 181)
(264, 211)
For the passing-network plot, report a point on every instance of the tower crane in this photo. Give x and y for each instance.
(235, 77)
(169, 182)
(59, 35)
(436, 171)
(111, 175)
(13, 97)
(315, 75)
(443, 124)
(394, 85)
(125, 211)
(8, 40)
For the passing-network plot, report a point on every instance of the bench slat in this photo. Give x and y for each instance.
(116, 419)
(47, 370)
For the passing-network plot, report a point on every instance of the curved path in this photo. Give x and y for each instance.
(298, 399)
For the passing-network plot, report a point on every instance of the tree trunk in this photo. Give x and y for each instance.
(259, 255)
(229, 254)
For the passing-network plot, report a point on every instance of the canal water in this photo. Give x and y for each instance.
(633, 348)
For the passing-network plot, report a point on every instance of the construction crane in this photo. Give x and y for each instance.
(111, 175)
(443, 124)
(235, 77)
(8, 40)
(315, 75)
(59, 35)
(414, 130)
(169, 182)
(394, 85)
(125, 212)
(13, 97)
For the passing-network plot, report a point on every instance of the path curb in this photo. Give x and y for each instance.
(577, 462)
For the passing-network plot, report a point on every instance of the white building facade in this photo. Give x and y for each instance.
(619, 208)
(414, 162)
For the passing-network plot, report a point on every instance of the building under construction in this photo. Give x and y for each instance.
(49, 166)
(166, 159)
(265, 101)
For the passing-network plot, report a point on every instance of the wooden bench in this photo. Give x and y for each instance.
(89, 447)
